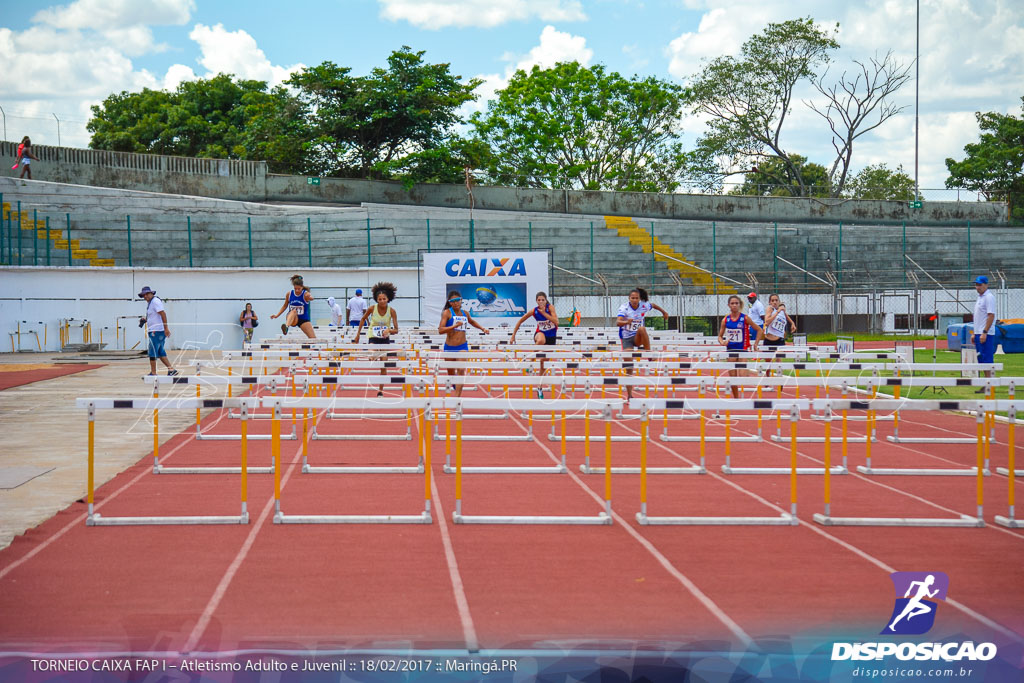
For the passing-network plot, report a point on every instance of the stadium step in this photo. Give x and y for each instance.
(631, 230)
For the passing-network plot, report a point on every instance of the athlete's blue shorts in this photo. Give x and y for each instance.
(986, 351)
(353, 323)
(464, 346)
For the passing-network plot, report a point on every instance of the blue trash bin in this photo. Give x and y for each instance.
(955, 336)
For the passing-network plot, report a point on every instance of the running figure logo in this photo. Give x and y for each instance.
(914, 613)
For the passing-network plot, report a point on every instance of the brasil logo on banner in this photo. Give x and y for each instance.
(483, 299)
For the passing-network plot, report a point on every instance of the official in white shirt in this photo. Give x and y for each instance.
(157, 330)
(755, 312)
(984, 323)
(356, 307)
(337, 313)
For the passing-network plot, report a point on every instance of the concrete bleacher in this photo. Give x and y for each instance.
(872, 256)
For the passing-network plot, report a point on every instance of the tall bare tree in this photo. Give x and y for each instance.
(855, 105)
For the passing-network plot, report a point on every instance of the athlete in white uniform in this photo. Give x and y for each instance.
(631, 320)
(776, 321)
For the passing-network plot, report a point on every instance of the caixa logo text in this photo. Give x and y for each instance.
(485, 267)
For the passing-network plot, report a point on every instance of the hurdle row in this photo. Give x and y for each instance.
(588, 384)
(426, 407)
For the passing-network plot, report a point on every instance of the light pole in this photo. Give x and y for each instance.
(917, 94)
(58, 128)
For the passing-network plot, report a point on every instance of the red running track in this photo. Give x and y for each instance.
(17, 378)
(65, 586)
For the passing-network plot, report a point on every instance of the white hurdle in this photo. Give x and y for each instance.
(156, 404)
(1011, 473)
(280, 403)
(586, 405)
(793, 406)
(978, 407)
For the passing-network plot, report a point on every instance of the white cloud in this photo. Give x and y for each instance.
(106, 14)
(236, 52)
(971, 53)
(73, 56)
(555, 46)
(436, 14)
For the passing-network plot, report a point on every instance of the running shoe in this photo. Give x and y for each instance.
(284, 329)
(380, 394)
(172, 373)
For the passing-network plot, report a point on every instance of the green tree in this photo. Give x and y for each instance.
(747, 99)
(881, 182)
(219, 117)
(995, 164)
(773, 179)
(572, 126)
(395, 122)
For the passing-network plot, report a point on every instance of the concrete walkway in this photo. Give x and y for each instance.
(43, 429)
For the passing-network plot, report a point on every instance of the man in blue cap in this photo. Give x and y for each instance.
(984, 324)
(356, 308)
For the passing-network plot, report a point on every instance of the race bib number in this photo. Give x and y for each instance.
(546, 326)
(378, 330)
(460, 322)
(298, 308)
(635, 325)
(733, 336)
(778, 327)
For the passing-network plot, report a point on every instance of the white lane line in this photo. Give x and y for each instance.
(687, 583)
(861, 553)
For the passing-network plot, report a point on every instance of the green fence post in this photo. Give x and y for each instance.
(839, 258)
(714, 258)
(68, 216)
(968, 250)
(530, 227)
(309, 240)
(805, 265)
(47, 240)
(775, 258)
(189, 219)
(591, 254)
(249, 222)
(129, 220)
(369, 258)
(19, 232)
(428, 235)
(905, 253)
(2, 235)
(652, 256)
(472, 235)
(35, 237)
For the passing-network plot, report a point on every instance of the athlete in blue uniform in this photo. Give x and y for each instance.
(734, 333)
(454, 323)
(297, 303)
(547, 322)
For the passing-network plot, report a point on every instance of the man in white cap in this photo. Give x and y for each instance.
(337, 314)
(157, 329)
(984, 324)
(356, 308)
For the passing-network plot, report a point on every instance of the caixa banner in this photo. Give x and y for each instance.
(500, 285)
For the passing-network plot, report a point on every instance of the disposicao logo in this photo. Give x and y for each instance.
(916, 604)
(485, 267)
(914, 612)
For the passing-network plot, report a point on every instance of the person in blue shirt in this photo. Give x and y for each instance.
(735, 332)
(297, 303)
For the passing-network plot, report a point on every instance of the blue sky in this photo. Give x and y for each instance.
(61, 57)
